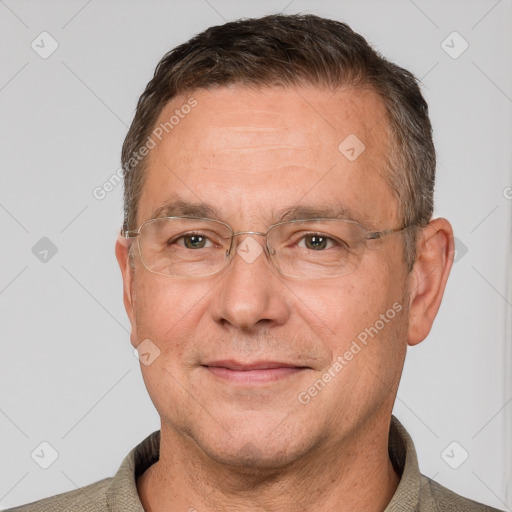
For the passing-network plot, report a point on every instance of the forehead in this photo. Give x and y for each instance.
(254, 152)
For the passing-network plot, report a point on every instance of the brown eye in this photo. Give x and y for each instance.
(194, 241)
(315, 242)
(191, 241)
(320, 241)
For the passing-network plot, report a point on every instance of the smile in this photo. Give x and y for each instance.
(253, 373)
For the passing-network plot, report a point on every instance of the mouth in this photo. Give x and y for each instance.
(257, 372)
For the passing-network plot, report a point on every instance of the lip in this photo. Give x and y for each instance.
(231, 364)
(257, 372)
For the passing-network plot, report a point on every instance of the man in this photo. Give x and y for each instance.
(278, 255)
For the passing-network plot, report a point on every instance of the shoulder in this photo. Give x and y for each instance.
(91, 498)
(445, 500)
(114, 493)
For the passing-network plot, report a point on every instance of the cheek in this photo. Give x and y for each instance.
(168, 310)
(338, 309)
(169, 314)
(380, 313)
(366, 306)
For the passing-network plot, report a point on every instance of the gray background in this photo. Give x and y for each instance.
(68, 375)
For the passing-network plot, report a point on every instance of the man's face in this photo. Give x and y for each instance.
(250, 153)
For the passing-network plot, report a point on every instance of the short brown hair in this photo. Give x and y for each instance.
(294, 50)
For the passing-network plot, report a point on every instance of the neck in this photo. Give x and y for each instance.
(355, 475)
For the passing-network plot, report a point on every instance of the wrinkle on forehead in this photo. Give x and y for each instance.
(234, 118)
(248, 149)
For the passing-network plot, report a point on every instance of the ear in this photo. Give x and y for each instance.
(122, 255)
(435, 250)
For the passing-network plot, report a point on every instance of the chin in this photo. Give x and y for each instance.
(254, 450)
(251, 457)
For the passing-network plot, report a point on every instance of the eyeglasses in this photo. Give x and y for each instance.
(199, 247)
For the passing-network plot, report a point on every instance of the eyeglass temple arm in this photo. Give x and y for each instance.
(380, 234)
(129, 234)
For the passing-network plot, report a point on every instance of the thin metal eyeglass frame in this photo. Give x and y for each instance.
(369, 235)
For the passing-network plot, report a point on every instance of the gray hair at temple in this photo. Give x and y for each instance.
(290, 51)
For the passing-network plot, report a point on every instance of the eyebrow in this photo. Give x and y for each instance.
(328, 211)
(177, 207)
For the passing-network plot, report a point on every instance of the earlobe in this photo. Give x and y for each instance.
(434, 258)
(122, 251)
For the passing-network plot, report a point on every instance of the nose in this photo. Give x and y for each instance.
(251, 294)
